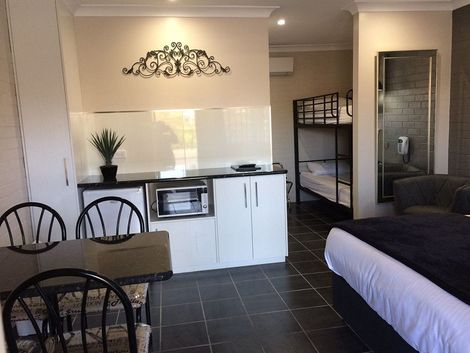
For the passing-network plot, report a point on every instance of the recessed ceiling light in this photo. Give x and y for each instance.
(281, 22)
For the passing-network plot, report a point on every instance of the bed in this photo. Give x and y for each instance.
(331, 114)
(319, 177)
(325, 109)
(325, 185)
(391, 302)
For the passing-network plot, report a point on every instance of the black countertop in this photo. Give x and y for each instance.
(172, 175)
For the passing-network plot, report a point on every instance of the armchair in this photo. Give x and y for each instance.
(432, 194)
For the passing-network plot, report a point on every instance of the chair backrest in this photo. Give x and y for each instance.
(44, 220)
(37, 287)
(115, 212)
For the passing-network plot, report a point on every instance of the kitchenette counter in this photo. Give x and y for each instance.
(172, 175)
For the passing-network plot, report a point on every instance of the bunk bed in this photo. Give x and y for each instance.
(328, 178)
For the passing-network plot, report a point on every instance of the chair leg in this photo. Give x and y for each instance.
(147, 310)
(69, 322)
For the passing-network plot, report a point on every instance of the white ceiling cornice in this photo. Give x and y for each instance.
(404, 5)
(309, 47)
(460, 3)
(172, 11)
(72, 5)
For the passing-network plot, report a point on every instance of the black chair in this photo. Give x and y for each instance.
(43, 221)
(125, 211)
(105, 338)
(92, 215)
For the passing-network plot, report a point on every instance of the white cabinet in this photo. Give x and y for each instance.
(193, 243)
(268, 216)
(251, 218)
(233, 209)
(42, 105)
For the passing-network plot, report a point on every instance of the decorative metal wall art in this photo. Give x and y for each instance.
(177, 61)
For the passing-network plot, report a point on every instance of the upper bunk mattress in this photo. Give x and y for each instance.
(320, 117)
(325, 185)
(428, 317)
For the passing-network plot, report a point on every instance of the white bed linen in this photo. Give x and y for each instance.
(325, 185)
(427, 317)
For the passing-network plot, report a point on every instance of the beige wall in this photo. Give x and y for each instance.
(13, 187)
(374, 32)
(107, 44)
(315, 73)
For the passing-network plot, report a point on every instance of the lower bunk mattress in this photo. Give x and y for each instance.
(426, 316)
(325, 185)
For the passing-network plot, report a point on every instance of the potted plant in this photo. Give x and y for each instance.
(107, 143)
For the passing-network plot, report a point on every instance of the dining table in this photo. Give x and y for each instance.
(137, 258)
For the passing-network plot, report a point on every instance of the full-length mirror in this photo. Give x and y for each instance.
(406, 83)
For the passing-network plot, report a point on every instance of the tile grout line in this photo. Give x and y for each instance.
(330, 305)
(241, 299)
(160, 341)
(290, 311)
(204, 317)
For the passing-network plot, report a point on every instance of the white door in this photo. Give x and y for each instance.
(269, 223)
(192, 243)
(42, 105)
(233, 211)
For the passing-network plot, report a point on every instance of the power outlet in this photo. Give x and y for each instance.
(120, 154)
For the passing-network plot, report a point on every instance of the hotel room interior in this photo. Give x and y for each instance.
(294, 176)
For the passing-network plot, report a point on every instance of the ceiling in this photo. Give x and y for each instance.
(308, 22)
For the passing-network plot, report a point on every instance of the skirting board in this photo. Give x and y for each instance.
(218, 266)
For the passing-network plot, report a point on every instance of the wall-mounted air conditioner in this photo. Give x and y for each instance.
(281, 66)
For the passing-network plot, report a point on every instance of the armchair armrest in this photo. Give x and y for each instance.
(461, 202)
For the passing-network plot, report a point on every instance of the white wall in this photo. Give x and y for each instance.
(315, 73)
(108, 44)
(389, 31)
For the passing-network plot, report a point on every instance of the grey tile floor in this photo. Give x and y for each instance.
(277, 308)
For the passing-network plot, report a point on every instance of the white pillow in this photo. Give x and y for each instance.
(327, 168)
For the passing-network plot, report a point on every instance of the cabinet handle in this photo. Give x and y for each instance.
(246, 200)
(66, 173)
(256, 192)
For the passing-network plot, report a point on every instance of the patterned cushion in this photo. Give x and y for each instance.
(70, 303)
(117, 339)
(35, 304)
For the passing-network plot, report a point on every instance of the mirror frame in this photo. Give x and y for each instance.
(431, 121)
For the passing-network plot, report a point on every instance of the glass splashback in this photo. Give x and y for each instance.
(405, 117)
(163, 140)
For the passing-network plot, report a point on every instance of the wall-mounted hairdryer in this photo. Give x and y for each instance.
(403, 145)
(403, 148)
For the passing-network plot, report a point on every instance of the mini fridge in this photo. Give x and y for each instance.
(110, 209)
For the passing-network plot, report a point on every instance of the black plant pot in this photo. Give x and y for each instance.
(109, 172)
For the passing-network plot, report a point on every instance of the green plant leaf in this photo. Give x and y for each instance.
(107, 143)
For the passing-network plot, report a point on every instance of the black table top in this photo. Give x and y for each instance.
(141, 258)
(172, 175)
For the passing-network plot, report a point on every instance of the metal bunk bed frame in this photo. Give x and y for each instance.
(321, 108)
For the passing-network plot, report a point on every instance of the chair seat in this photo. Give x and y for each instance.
(116, 337)
(70, 303)
(35, 304)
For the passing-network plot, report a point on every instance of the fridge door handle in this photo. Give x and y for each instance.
(256, 192)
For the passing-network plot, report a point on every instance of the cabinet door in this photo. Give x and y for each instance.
(269, 224)
(41, 93)
(192, 243)
(233, 213)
